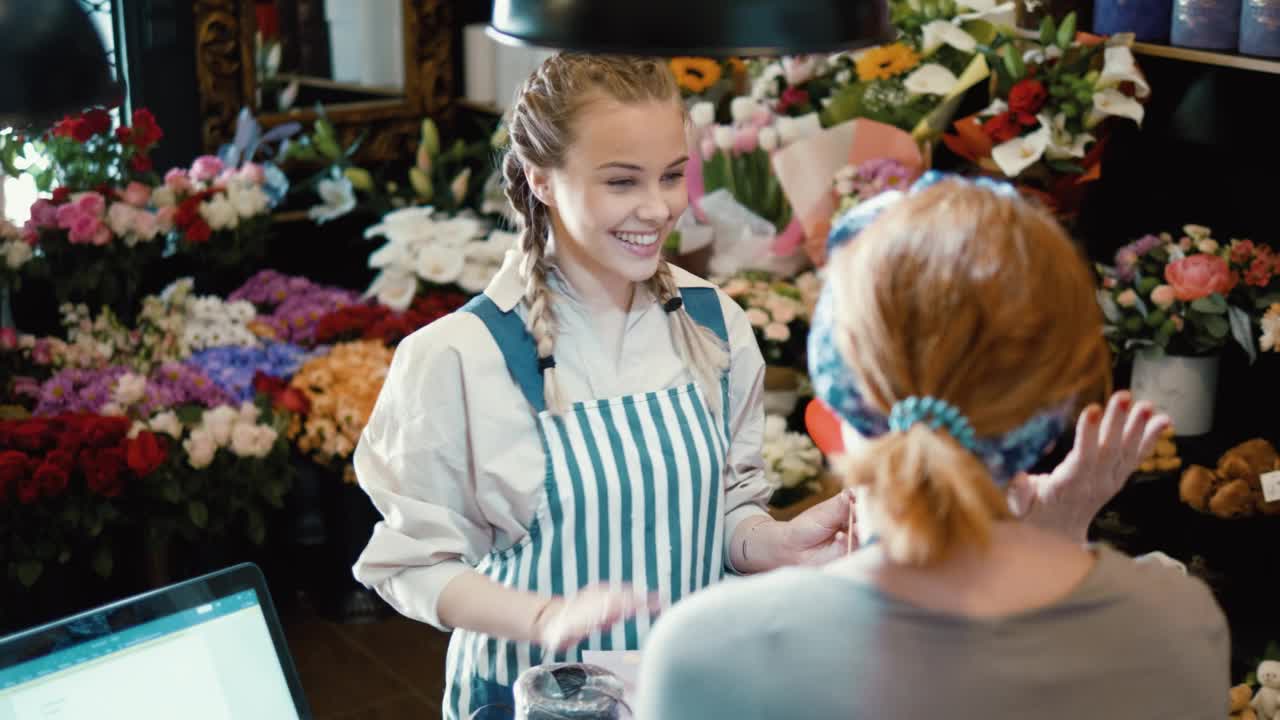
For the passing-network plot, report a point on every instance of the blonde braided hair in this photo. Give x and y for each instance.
(539, 128)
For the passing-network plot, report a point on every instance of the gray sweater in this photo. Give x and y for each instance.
(1132, 641)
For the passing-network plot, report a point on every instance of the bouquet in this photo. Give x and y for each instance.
(61, 479)
(1053, 99)
(779, 312)
(793, 464)
(858, 183)
(341, 389)
(424, 250)
(81, 152)
(1178, 296)
(221, 215)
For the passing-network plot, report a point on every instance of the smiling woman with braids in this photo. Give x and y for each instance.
(580, 446)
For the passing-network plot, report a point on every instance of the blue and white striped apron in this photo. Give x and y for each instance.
(633, 495)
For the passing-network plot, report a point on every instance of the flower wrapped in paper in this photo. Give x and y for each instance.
(1055, 94)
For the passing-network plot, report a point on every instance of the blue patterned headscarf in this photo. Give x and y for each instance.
(833, 380)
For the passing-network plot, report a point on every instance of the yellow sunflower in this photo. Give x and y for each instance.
(695, 74)
(886, 61)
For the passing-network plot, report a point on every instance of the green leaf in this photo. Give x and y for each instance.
(1216, 326)
(189, 414)
(199, 514)
(1013, 63)
(29, 572)
(1213, 304)
(103, 563)
(1047, 31)
(1242, 331)
(1067, 32)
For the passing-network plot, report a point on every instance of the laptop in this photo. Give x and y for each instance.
(210, 648)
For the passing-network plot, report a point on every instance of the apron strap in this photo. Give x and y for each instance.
(521, 355)
(517, 347)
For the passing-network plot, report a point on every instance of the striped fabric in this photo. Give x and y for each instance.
(634, 495)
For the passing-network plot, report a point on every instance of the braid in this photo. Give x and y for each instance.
(697, 345)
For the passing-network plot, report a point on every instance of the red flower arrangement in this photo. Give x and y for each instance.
(378, 322)
(59, 480)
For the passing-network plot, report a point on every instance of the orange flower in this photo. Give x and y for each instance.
(695, 74)
(342, 388)
(886, 61)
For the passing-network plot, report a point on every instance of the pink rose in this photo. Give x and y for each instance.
(746, 140)
(44, 213)
(8, 338)
(226, 176)
(84, 228)
(177, 180)
(1163, 296)
(68, 215)
(253, 173)
(164, 218)
(205, 168)
(761, 117)
(30, 236)
(137, 194)
(145, 225)
(91, 203)
(1198, 276)
(101, 236)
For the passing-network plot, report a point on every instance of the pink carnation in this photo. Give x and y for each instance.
(92, 204)
(253, 173)
(205, 168)
(177, 180)
(44, 213)
(137, 194)
(84, 229)
(145, 225)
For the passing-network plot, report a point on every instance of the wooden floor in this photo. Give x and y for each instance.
(392, 669)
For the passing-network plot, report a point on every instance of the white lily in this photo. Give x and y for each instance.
(400, 220)
(995, 13)
(456, 232)
(931, 79)
(338, 198)
(1062, 144)
(1119, 66)
(1021, 153)
(1113, 102)
(394, 288)
(392, 255)
(1040, 54)
(440, 264)
(941, 32)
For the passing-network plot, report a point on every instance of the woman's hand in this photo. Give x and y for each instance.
(814, 537)
(564, 622)
(1108, 448)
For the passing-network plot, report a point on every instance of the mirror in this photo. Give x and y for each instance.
(327, 51)
(377, 67)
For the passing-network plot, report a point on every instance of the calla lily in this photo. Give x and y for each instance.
(392, 255)
(1021, 153)
(1119, 66)
(338, 198)
(1113, 102)
(440, 264)
(931, 79)
(399, 220)
(394, 288)
(1062, 144)
(455, 232)
(997, 14)
(1041, 54)
(941, 32)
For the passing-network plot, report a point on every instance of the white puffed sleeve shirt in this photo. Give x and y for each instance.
(451, 455)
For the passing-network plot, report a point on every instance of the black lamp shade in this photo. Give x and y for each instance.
(52, 62)
(693, 27)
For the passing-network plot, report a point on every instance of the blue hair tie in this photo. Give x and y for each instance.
(938, 413)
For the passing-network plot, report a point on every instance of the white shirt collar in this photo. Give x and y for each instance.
(506, 290)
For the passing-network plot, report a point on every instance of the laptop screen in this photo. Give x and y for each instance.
(216, 660)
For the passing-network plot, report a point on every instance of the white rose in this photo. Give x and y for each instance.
(742, 108)
(248, 200)
(757, 317)
(16, 254)
(1208, 246)
(168, 423)
(218, 421)
(129, 389)
(768, 139)
(219, 213)
(440, 264)
(248, 413)
(243, 439)
(120, 218)
(200, 448)
(264, 440)
(777, 332)
(783, 310)
(163, 197)
(723, 136)
(702, 114)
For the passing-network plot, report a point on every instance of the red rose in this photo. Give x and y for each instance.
(106, 431)
(97, 121)
(141, 163)
(199, 232)
(64, 459)
(293, 400)
(1259, 274)
(1002, 127)
(267, 384)
(792, 97)
(1197, 276)
(28, 490)
(60, 195)
(13, 470)
(124, 135)
(1027, 96)
(145, 130)
(144, 453)
(52, 478)
(102, 471)
(73, 127)
(31, 435)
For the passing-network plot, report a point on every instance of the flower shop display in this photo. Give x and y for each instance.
(25, 362)
(234, 368)
(709, 79)
(379, 322)
(341, 388)
(779, 311)
(1236, 487)
(859, 183)
(793, 464)
(290, 306)
(221, 215)
(16, 250)
(425, 249)
(61, 482)
(1173, 305)
(1053, 98)
(119, 391)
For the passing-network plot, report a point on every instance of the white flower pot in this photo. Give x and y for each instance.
(1182, 387)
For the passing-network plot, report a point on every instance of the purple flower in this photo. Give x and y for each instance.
(78, 391)
(1145, 244)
